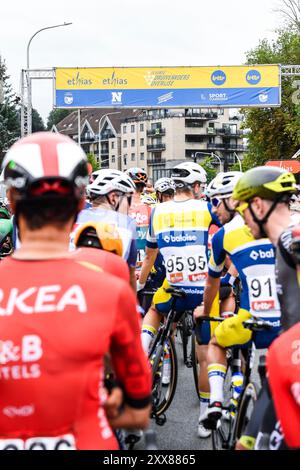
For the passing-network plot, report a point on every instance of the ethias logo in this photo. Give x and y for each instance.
(114, 80)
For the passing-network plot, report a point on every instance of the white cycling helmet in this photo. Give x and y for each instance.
(188, 173)
(105, 181)
(223, 184)
(164, 184)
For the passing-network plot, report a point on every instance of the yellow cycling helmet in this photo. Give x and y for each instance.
(267, 182)
(99, 235)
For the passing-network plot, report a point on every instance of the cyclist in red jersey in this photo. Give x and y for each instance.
(59, 316)
(283, 364)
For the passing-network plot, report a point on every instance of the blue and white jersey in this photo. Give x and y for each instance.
(255, 263)
(180, 230)
(124, 224)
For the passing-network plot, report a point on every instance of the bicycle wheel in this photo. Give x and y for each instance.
(195, 365)
(162, 395)
(245, 408)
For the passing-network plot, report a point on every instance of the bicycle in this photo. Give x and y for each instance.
(163, 344)
(235, 418)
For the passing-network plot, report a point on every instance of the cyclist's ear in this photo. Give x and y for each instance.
(10, 194)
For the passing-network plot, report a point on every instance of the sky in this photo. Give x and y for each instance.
(117, 33)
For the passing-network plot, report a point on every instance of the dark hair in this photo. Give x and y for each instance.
(52, 210)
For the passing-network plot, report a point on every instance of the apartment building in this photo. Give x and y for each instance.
(157, 140)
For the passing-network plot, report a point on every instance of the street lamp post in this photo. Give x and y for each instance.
(212, 155)
(100, 123)
(29, 105)
(239, 160)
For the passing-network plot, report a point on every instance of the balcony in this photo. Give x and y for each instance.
(197, 124)
(156, 147)
(107, 135)
(156, 132)
(227, 146)
(156, 161)
(104, 151)
(211, 115)
(223, 132)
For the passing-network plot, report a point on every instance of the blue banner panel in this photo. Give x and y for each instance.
(202, 97)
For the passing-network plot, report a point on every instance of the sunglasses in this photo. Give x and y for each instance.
(241, 208)
(216, 202)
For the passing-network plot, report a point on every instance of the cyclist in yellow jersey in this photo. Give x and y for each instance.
(179, 230)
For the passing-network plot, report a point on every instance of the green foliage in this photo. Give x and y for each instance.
(275, 132)
(37, 122)
(57, 115)
(9, 118)
(93, 161)
(210, 170)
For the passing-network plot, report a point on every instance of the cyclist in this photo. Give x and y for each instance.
(111, 192)
(179, 230)
(255, 263)
(264, 196)
(55, 327)
(99, 243)
(140, 209)
(164, 191)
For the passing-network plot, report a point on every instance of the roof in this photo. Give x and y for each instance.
(69, 125)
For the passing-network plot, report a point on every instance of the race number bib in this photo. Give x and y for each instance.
(190, 266)
(65, 442)
(262, 294)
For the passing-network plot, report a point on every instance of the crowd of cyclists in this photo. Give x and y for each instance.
(80, 253)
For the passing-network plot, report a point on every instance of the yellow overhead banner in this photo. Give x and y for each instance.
(257, 85)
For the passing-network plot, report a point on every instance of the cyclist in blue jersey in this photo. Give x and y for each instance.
(110, 194)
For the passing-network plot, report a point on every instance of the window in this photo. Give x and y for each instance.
(142, 156)
(142, 142)
(132, 128)
(142, 127)
(125, 158)
(125, 143)
(132, 157)
(132, 142)
(112, 145)
(124, 129)
(155, 125)
(113, 158)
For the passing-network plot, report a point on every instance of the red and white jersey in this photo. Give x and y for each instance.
(58, 318)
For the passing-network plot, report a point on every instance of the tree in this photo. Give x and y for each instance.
(210, 170)
(93, 161)
(275, 132)
(57, 115)
(290, 12)
(9, 120)
(37, 122)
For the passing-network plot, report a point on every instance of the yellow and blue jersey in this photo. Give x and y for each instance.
(179, 229)
(255, 262)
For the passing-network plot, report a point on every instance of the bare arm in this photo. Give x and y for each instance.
(149, 260)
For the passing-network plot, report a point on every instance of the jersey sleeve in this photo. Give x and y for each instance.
(218, 255)
(214, 217)
(151, 241)
(128, 357)
(132, 257)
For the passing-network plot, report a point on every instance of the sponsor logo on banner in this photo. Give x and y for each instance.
(68, 98)
(263, 305)
(263, 97)
(253, 77)
(164, 98)
(218, 77)
(116, 97)
(218, 96)
(114, 80)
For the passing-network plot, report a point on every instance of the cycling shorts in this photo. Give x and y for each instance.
(163, 301)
